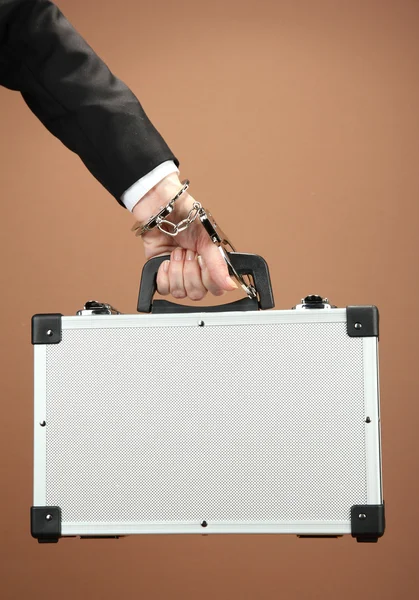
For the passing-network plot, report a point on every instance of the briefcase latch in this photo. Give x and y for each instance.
(313, 301)
(92, 307)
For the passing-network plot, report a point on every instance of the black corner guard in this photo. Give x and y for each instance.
(47, 329)
(367, 522)
(362, 321)
(46, 523)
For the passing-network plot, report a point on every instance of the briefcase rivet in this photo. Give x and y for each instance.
(50, 332)
(201, 323)
(48, 517)
(358, 325)
(362, 516)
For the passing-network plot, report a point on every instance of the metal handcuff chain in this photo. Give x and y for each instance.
(182, 225)
(159, 218)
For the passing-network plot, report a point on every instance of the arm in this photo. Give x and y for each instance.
(76, 97)
(96, 116)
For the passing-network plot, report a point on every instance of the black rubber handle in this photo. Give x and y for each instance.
(245, 264)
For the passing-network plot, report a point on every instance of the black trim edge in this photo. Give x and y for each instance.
(319, 536)
(367, 522)
(47, 328)
(362, 321)
(46, 523)
(167, 307)
(100, 537)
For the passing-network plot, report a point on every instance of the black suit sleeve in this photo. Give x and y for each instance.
(76, 97)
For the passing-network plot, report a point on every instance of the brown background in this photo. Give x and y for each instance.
(297, 122)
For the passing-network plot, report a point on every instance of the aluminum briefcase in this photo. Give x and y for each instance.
(227, 419)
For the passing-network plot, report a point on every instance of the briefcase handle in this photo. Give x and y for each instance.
(244, 264)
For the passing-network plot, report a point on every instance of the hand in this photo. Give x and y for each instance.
(196, 265)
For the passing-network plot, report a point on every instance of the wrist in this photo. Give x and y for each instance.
(159, 196)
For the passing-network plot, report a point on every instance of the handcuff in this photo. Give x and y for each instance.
(215, 233)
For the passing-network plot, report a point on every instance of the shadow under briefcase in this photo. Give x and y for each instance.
(226, 419)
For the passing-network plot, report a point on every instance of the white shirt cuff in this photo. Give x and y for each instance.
(139, 189)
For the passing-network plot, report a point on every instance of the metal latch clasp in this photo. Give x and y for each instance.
(313, 301)
(92, 307)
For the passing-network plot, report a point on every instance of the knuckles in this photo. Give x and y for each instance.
(179, 294)
(196, 295)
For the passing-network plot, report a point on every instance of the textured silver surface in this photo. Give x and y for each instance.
(249, 423)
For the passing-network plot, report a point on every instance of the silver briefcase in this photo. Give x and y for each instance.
(228, 419)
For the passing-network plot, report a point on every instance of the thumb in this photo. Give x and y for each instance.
(217, 267)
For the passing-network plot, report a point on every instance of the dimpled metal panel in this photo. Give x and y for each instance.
(226, 423)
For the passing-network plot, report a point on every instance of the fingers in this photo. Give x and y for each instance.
(206, 279)
(177, 287)
(186, 275)
(181, 276)
(194, 285)
(163, 283)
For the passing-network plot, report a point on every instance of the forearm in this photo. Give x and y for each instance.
(74, 94)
